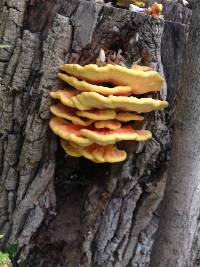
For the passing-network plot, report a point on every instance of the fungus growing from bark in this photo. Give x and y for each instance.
(154, 10)
(142, 68)
(128, 116)
(140, 81)
(84, 86)
(109, 124)
(92, 100)
(68, 113)
(108, 114)
(95, 152)
(70, 149)
(85, 136)
(126, 3)
(93, 117)
(68, 131)
(65, 93)
(98, 114)
(106, 136)
(126, 90)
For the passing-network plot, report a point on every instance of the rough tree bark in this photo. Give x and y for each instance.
(180, 208)
(64, 211)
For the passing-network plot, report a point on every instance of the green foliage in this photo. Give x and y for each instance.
(12, 252)
(22, 264)
(9, 257)
(4, 259)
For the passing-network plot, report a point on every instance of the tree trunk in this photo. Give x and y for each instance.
(64, 211)
(180, 209)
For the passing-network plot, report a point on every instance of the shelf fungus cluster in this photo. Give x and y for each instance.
(98, 106)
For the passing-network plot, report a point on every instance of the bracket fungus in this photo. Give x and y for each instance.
(120, 90)
(92, 100)
(68, 131)
(109, 124)
(95, 152)
(126, 3)
(139, 80)
(106, 136)
(128, 116)
(98, 112)
(84, 86)
(68, 113)
(154, 10)
(109, 114)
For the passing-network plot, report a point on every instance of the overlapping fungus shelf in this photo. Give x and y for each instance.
(92, 117)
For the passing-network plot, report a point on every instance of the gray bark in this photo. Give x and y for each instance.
(174, 10)
(64, 211)
(174, 40)
(180, 208)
